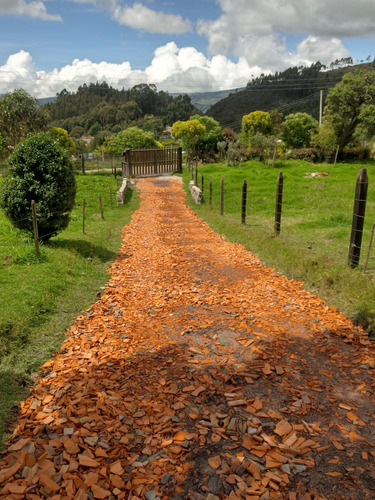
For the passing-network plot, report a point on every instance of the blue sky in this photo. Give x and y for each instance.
(186, 46)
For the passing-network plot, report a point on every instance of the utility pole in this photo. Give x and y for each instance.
(321, 107)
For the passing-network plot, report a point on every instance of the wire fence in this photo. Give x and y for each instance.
(88, 208)
(317, 219)
(105, 163)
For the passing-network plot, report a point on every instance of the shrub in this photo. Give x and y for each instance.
(233, 154)
(40, 170)
(298, 129)
(311, 155)
(355, 153)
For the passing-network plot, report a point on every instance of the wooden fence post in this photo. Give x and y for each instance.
(210, 190)
(83, 215)
(243, 205)
(101, 206)
(369, 247)
(222, 196)
(279, 202)
(202, 185)
(196, 174)
(358, 218)
(35, 227)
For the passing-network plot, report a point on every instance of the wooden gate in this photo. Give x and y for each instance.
(154, 161)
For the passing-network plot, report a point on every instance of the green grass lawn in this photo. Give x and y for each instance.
(316, 222)
(39, 299)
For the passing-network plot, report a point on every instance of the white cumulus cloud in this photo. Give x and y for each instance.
(140, 17)
(172, 69)
(257, 29)
(35, 9)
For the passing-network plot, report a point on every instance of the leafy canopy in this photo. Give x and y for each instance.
(20, 115)
(65, 141)
(256, 122)
(350, 105)
(212, 135)
(130, 138)
(3, 147)
(298, 129)
(189, 132)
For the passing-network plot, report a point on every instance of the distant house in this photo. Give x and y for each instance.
(167, 132)
(87, 139)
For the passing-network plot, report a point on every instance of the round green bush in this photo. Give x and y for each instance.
(40, 170)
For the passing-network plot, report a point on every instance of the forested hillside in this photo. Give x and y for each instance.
(205, 100)
(103, 107)
(297, 89)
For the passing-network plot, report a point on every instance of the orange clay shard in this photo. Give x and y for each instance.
(199, 374)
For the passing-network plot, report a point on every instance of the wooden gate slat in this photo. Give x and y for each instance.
(152, 161)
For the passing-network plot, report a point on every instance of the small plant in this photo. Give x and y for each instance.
(40, 170)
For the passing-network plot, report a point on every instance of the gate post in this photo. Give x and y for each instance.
(179, 160)
(127, 170)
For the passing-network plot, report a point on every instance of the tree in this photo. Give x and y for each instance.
(189, 132)
(298, 129)
(212, 135)
(152, 124)
(348, 105)
(325, 140)
(62, 136)
(263, 146)
(77, 132)
(277, 120)
(128, 112)
(94, 129)
(103, 113)
(366, 127)
(20, 115)
(40, 170)
(3, 148)
(255, 122)
(130, 138)
(180, 108)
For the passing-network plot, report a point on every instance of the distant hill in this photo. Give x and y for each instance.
(205, 100)
(45, 100)
(293, 90)
(201, 100)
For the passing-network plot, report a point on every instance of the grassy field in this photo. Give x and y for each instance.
(98, 165)
(315, 227)
(39, 299)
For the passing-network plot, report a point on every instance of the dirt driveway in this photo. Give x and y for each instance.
(199, 374)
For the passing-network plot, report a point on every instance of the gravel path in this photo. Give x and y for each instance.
(199, 374)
